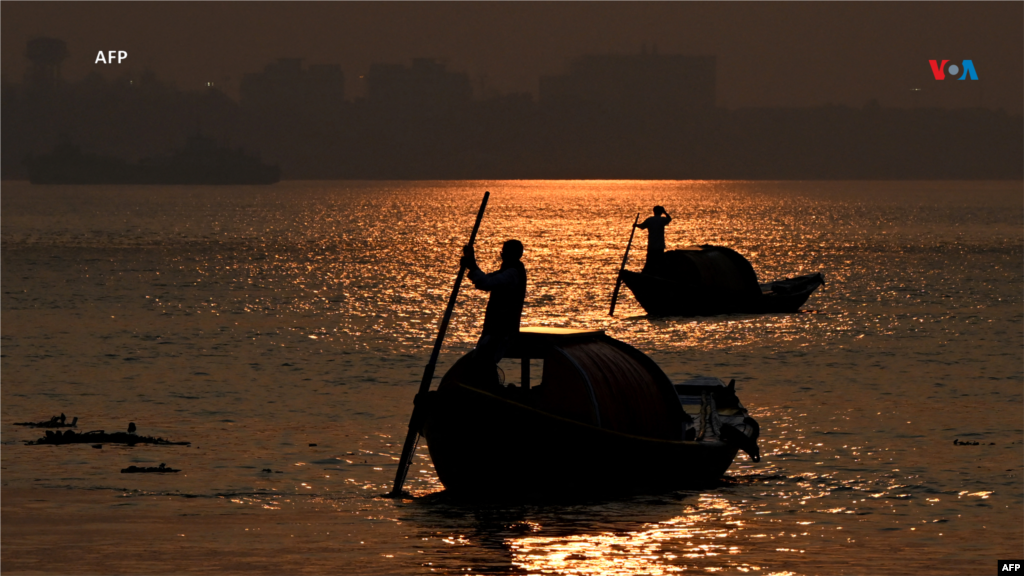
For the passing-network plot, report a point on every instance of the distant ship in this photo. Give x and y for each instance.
(201, 161)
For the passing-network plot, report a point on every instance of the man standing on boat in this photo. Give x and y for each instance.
(505, 306)
(655, 226)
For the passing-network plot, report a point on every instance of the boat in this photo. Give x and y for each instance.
(201, 161)
(604, 420)
(711, 280)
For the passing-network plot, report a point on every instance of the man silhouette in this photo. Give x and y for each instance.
(655, 226)
(504, 307)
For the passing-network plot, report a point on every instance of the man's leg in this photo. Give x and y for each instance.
(489, 351)
(653, 263)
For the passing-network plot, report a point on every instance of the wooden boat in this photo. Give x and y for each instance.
(712, 280)
(604, 420)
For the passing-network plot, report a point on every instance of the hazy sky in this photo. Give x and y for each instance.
(769, 54)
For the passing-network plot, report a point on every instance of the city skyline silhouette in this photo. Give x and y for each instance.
(771, 54)
(642, 116)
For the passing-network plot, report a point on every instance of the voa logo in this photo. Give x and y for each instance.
(940, 70)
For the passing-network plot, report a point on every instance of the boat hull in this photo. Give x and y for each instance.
(662, 297)
(482, 443)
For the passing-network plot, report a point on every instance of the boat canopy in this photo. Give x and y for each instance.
(715, 270)
(592, 378)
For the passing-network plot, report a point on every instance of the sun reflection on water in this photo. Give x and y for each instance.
(662, 547)
(305, 315)
(370, 270)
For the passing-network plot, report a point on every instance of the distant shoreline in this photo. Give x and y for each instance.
(586, 178)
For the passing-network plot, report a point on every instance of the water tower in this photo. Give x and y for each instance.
(46, 55)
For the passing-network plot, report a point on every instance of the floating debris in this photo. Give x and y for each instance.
(161, 469)
(97, 436)
(957, 442)
(53, 422)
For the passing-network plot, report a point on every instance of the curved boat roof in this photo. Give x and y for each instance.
(716, 269)
(593, 378)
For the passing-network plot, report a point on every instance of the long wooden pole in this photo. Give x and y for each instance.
(625, 257)
(413, 435)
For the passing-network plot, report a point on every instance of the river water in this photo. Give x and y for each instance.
(283, 330)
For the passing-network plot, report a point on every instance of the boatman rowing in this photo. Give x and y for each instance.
(504, 307)
(655, 226)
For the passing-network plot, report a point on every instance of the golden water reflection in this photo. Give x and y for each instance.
(262, 324)
(642, 551)
(664, 547)
(362, 266)
(326, 256)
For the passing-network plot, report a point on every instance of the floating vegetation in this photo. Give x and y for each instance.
(957, 442)
(161, 469)
(98, 436)
(53, 422)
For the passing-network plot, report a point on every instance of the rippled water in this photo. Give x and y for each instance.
(286, 328)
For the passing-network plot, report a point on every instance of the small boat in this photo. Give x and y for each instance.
(604, 420)
(712, 280)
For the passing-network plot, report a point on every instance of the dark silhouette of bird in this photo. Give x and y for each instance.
(131, 427)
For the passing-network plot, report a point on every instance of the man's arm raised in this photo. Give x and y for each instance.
(468, 260)
(483, 281)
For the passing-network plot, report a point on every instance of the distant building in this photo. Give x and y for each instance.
(645, 80)
(426, 86)
(286, 85)
(46, 55)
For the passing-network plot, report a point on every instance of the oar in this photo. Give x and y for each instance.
(413, 436)
(618, 282)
